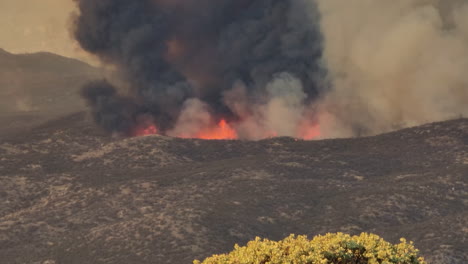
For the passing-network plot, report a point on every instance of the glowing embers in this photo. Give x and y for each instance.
(146, 126)
(149, 129)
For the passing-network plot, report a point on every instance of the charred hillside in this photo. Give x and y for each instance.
(40, 86)
(72, 195)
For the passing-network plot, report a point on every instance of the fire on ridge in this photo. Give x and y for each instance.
(221, 131)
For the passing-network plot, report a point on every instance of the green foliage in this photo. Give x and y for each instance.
(336, 248)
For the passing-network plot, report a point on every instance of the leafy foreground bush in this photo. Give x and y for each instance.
(336, 248)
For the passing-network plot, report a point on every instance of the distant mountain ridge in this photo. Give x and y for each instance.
(42, 61)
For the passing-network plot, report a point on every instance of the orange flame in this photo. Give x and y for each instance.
(145, 131)
(310, 132)
(222, 131)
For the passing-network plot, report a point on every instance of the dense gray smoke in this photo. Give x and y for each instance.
(183, 59)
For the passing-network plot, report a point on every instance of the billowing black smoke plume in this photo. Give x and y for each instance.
(171, 52)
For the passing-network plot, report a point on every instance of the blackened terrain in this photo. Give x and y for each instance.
(70, 194)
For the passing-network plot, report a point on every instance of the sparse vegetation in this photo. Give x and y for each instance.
(337, 248)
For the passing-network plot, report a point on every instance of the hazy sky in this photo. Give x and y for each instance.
(37, 25)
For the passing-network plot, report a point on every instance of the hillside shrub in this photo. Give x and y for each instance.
(336, 248)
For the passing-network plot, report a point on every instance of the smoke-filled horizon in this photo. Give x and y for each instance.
(301, 68)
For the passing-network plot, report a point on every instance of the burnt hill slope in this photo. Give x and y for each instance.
(73, 195)
(40, 86)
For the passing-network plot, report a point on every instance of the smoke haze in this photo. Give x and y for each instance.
(393, 64)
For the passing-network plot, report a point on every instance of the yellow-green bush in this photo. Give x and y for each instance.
(336, 248)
